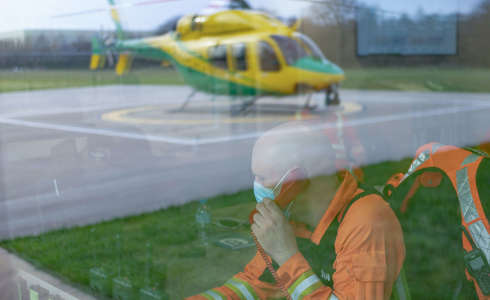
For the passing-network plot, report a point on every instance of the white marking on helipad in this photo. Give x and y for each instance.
(103, 132)
(204, 141)
(124, 116)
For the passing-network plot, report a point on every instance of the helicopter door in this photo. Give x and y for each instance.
(219, 69)
(240, 68)
(268, 76)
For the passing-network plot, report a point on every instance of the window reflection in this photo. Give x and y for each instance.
(217, 56)
(268, 57)
(129, 165)
(291, 49)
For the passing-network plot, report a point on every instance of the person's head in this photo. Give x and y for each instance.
(295, 145)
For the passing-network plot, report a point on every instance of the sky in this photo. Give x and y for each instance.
(38, 14)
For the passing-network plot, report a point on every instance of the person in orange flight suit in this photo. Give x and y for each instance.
(341, 242)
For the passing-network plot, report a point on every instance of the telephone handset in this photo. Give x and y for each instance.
(290, 186)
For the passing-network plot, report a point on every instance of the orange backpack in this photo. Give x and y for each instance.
(439, 178)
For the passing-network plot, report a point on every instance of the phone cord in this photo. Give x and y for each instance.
(271, 268)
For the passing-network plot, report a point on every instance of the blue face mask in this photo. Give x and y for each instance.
(262, 192)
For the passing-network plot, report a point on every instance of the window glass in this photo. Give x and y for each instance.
(291, 49)
(239, 55)
(135, 145)
(268, 58)
(217, 56)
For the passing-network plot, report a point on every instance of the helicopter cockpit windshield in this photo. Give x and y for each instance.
(297, 47)
(312, 48)
(290, 48)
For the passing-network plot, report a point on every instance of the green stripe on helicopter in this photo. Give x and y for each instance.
(310, 64)
(198, 79)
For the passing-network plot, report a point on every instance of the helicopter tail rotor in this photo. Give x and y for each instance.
(116, 19)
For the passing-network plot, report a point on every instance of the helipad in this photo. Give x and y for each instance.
(82, 155)
(219, 113)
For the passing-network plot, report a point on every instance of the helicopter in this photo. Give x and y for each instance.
(235, 52)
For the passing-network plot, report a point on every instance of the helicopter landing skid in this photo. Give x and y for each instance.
(307, 105)
(187, 100)
(244, 107)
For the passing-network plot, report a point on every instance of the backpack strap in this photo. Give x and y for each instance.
(476, 151)
(367, 190)
(468, 237)
(400, 288)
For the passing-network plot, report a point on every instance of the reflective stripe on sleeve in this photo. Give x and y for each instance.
(213, 295)
(306, 284)
(241, 288)
(466, 202)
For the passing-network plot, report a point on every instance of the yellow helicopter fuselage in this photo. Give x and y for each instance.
(237, 52)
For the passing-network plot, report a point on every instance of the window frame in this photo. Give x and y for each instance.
(245, 57)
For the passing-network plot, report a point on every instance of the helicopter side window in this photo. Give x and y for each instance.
(268, 58)
(290, 48)
(239, 54)
(217, 56)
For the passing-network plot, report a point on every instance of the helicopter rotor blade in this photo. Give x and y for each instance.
(122, 5)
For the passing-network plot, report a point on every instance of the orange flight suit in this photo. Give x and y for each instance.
(368, 254)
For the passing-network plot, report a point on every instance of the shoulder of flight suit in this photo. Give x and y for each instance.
(370, 253)
(370, 250)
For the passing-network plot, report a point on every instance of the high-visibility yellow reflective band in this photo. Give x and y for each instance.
(307, 283)
(241, 288)
(213, 295)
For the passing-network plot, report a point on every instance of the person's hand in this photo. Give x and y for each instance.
(274, 232)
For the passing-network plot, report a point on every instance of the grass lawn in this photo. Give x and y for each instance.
(26, 80)
(181, 266)
(419, 79)
(401, 79)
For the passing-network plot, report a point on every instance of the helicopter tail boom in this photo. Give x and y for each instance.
(117, 20)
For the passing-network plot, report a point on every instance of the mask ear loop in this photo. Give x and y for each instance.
(287, 211)
(277, 189)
